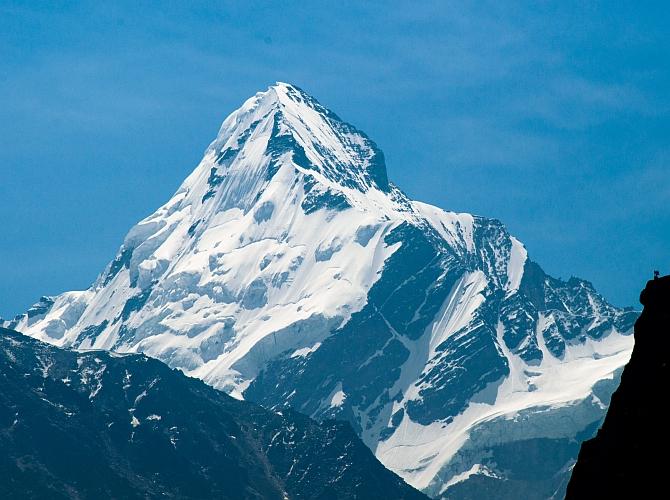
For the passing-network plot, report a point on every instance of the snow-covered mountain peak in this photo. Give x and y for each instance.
(287, 270)
(286, 124)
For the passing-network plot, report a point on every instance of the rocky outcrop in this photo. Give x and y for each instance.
(629, 455)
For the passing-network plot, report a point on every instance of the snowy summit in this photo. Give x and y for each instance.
(288, 270)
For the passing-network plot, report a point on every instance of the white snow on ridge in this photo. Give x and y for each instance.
(455, 228)
(515, 265)
(239, 266)
(263, 253)
(557, 383)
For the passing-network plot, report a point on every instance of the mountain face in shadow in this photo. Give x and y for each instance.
(95, 424)
(629, 454)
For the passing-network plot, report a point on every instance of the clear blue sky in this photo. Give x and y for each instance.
(551, 116)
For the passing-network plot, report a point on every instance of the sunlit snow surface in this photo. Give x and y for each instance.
(287, 247)
(555, 383)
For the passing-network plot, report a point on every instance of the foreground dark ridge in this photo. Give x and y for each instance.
(629, 455)
(98, 425)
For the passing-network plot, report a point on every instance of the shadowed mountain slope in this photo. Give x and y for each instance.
(91, 425)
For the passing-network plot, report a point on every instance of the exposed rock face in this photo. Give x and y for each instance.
(98, 425)
(629, 455)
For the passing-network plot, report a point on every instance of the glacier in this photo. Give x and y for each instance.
(288, 270)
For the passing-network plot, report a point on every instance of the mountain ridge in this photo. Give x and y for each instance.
(97, 424)
(287, 270)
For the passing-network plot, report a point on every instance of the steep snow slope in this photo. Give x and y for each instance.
(288, 270)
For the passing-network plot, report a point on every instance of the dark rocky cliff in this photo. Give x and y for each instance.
(629, 455)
